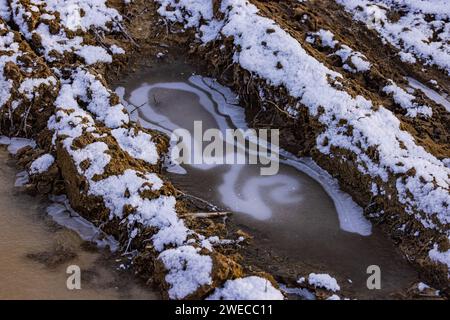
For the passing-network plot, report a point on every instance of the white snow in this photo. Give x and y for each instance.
(421, 32)
(323, 280)
(97, 159)
(138, 144)
(358, 60)
(406, 101)
(439, 256)
(187, 270)
(116, 49)
(28, 86)
(93, 54)
(75, 15)
(249, 288)
(82, 14)
(407, 57)
(159, 213)
(42, 163)
(90, 90)
(326, 38)
(7, 44)
(4, 10)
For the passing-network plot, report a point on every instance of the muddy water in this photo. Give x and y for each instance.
(298, 214)
(35, 253)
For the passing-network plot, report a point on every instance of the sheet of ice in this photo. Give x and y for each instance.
(22, 178)
(64, 215)
(301, 292)
(249, 288)
(15, 144)
(351, 217)
(249, 197)
(283, 190)
(430, 93)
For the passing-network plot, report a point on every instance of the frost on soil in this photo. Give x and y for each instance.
(421, 32)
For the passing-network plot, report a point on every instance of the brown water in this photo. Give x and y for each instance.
(35, 253)
(305, 220)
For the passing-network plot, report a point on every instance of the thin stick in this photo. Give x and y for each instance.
(204, 215)
(279, 109)
(137, 107)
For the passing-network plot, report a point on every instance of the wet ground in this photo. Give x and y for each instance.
(36, 252)
(298, 216)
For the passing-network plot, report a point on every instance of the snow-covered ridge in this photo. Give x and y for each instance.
(424, 191)
(354, 61)
(415, 34)
(70, 122)
(38, 18)
(23, 78)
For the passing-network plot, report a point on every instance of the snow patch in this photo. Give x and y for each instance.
(187, 270)
(138, 144)
(249, 288)
(323, 280)
(42, 164)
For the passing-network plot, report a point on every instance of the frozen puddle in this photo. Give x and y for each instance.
(299, 213)
(430, 93)
(35, 252)
(243, 189)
